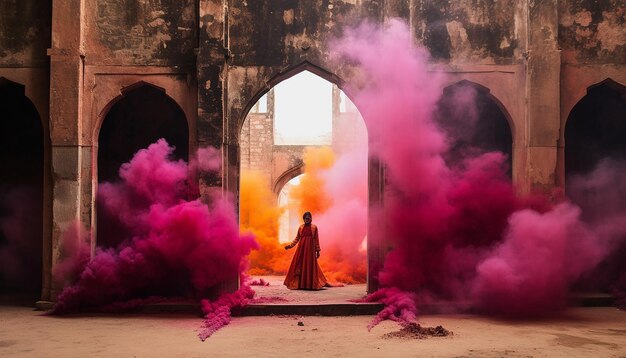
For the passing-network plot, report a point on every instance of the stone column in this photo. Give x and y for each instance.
(212, 128)
(70, 160)
(542, 93)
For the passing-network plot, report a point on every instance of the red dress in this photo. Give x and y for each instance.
(304, 272)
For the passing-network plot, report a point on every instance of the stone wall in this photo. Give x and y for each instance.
(216, 58)
(467, 31)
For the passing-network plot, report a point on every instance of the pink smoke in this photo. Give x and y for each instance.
(530, 272)
(343, 226)
(459, 233)
(602, 196)
(74, 256)
(171, 247)
(400, 306)
(218, 312)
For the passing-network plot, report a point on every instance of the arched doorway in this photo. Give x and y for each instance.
(143, 115)
(596, 128)
(21, 193)
(474, 122)
(306, 124)
(595, 173)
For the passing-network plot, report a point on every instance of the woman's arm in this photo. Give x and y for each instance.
(316, 239)
(295, 241)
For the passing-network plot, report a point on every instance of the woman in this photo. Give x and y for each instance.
(304, 272)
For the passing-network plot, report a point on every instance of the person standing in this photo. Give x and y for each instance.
(304, 272)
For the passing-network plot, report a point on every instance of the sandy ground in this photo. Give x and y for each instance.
(579, 332)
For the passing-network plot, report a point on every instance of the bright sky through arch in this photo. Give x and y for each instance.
(303, 110)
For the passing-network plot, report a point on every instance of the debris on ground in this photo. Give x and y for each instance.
(259, 282)
(416, 331)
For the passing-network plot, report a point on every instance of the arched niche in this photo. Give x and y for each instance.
(21, 192)
(143, 114)
(595, 165)
(474, 121)
(596, 128)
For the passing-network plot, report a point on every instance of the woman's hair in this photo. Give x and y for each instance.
(307, 213)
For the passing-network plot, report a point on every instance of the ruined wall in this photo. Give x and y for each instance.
(215, 58)
(593, 48)
(140, 32)
(210, 66)
(257, 142)
(24, 32)
(269, 41)
(25, 36)
(592, 32)
(265, 38)
(476, 31)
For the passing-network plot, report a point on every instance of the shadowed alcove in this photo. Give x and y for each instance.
(143, 115)
(21, 192)
(595, 169)
(474, 122)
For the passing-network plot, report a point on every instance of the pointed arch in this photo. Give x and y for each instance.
(487, 92)
(475, 121)
(595, 127)
(285, 177)
(284, 75)
(286, 160)
(142, 114)
(21, 191)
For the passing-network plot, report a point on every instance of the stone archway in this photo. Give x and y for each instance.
(141, 116)
(21, 192)
(596, 128)
(282, 161)
(286, 177)
(595, 168)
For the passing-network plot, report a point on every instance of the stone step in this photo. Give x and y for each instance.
(332, 309)
(255, 309)
(324, 309)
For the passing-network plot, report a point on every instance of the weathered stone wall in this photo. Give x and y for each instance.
(25, 36)
(256, 143)
(267, 38)
(140, 32)
(215, 58)
(593, 48)
(24, 32)
(467, 31)
(592, 32)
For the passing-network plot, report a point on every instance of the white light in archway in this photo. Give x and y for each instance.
(303, 111)
(289, 220)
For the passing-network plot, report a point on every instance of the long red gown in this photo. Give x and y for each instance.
(304, 271)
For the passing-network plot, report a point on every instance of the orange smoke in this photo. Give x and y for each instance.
(339, 210)
(339, 267)
(259, 215)
(310, 192)
(334, 189)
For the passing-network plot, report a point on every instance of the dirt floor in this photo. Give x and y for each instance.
(579, 332)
